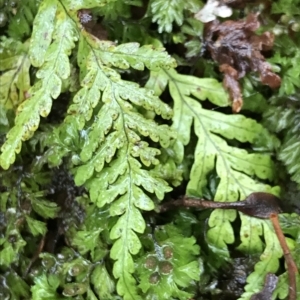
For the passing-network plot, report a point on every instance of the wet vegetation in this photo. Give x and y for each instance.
(150, 149)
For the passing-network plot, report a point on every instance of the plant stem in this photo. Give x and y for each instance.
(291, 265)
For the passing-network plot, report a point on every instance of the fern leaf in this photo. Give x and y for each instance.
(54, 67)
(20, 24)
(75, 5)
(165, 12)
(106, 111)
(234, 166)
(289, 7)
(43, 27)
(132, 55)
(290, 70)
(14, 79)
(269, 261)
(286, 119)
(18, 288)
(10, 250)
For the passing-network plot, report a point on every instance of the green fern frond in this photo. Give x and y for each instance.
(16, 219)
(75, 5)
(286, 119)
(116, 139)
(168, 12)
(52, 41)
(272, 252)
(45, 287)
(289, 7)
(15, 286)
(269, 260)
(236, 168)
(118, 8)
(20, 23)
(289, 68)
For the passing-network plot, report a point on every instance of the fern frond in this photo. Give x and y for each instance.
(168, 12)
(236, 168)
(286, 119)
(272, 252)
(75, 5)
(51, 43)
(289, 7)
(20, 24)
(45, 287)
(289, 67)
(269, 261)
(116, 139)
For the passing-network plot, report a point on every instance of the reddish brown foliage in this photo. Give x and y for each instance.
(237, 49)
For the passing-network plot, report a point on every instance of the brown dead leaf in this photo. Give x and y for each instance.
(230, 82)
(236, 47)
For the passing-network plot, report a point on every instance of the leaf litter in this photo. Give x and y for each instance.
(237, 49)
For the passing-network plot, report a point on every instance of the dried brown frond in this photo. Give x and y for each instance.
(237, 49)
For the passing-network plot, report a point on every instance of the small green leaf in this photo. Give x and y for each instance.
(86, 240)
(104, 286)
(74, 289)
(132, 55)
(45, 287)
(19, 289)
(45, 208)
(165, 12)
(36, 227)
(7, 255)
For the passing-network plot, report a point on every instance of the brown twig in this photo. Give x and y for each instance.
(290, 263)
(36, 255)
